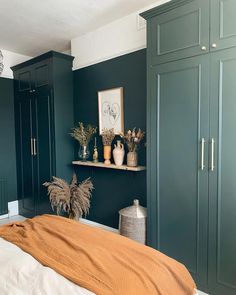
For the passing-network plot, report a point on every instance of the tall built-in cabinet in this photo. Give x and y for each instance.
(43, 117)
(191, 161)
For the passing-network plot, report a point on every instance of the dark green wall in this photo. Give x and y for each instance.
(7, 138)
(114, 189)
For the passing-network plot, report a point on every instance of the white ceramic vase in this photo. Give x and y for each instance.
(118, 153)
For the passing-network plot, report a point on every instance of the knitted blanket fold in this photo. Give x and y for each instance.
(100, 261)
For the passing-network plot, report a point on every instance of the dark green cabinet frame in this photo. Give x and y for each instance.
(191, 97)
(43, 115)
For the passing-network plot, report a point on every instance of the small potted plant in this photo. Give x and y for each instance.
(83, 135)
(107, 137)
(132, 140)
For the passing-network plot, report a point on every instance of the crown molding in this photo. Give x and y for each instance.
(41, 57)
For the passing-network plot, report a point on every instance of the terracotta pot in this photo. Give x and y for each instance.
(118, 153)
(132, 159)
(107, 154)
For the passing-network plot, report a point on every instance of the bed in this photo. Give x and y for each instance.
(21, 274)
(54, 255)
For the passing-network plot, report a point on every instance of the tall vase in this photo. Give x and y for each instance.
(132, 159)
(84, 153)
(118, 153)
(107, 154)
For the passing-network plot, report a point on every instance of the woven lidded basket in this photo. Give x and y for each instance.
(132, 222)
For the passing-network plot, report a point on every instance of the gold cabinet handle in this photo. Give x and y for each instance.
(31, 146)
(202, 153)
(212, 166)
(34, 148)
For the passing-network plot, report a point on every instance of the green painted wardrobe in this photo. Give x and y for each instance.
(43, 89)
(191, 176)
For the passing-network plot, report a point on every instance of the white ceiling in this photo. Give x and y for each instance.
(32, 27)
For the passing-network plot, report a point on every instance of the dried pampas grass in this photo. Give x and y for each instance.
(72, 198)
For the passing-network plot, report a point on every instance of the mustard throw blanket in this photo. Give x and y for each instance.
(100, 261)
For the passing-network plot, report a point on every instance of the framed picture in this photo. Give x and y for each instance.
(111, 111)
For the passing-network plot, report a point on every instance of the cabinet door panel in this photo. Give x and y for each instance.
(180, 32)
(23, 80)
(42, 74)
(222, 259)
(25, 157)
(223, 24)
(44, 148)
(180, 96)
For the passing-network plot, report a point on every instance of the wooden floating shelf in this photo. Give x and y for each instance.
(111, 166)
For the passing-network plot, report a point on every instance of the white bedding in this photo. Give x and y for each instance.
(21, 274)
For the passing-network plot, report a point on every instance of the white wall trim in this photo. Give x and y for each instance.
(95, 224)
(108, 57)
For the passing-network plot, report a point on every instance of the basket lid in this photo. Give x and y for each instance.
(135, 211)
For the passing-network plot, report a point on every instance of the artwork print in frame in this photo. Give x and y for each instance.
(111, 112)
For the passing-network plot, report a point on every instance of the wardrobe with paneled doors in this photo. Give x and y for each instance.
(191, 160)
(43, 117)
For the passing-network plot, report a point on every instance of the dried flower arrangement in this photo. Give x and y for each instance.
(107, 136)
(83, 133)
(73, 198)
(133, 139)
